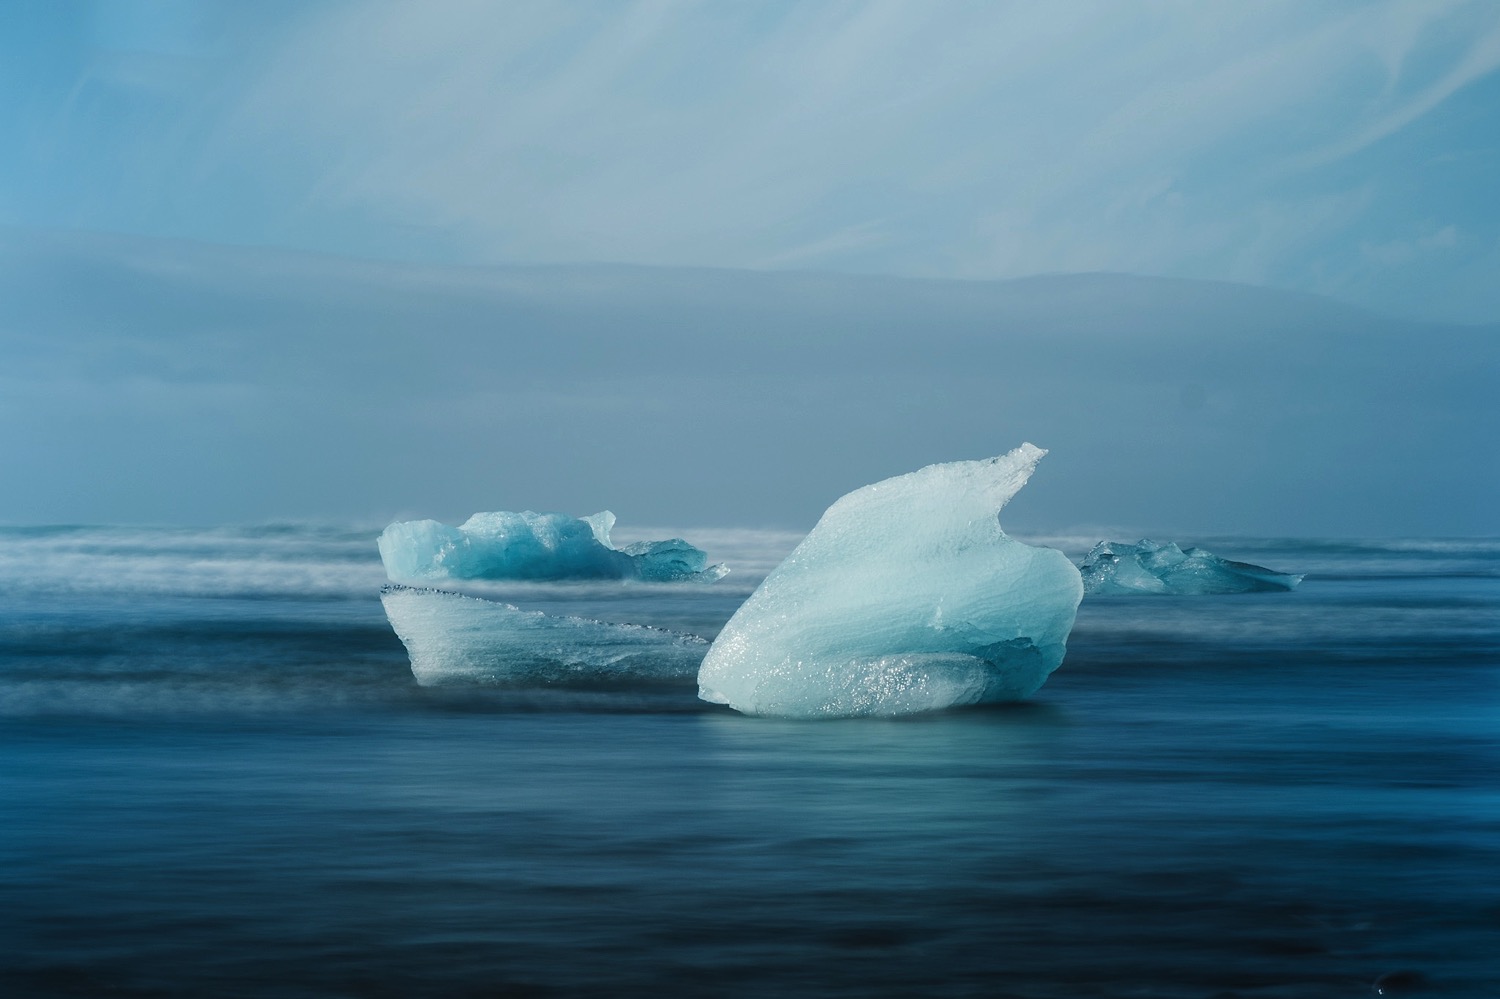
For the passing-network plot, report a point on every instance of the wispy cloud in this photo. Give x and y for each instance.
(1475, 55)
(955, 139)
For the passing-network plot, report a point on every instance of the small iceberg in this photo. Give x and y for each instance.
(1149, 567)
(452, 638)
(906, 597)
(534, 546)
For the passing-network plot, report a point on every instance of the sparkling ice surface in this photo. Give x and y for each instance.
(906, 597)
(452, 638)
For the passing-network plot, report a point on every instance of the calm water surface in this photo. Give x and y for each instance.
(218, 778)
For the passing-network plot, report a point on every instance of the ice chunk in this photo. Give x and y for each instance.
(529, 545)
(1148, 567)
(452, 638)
(907, 596)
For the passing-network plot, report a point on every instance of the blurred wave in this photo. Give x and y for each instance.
(301, 560)
(305, 560)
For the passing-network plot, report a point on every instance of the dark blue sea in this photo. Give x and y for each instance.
(218, 778)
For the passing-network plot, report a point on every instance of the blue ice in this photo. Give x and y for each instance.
(1113, 567)
(535, 546)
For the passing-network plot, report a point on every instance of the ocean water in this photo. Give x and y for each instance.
(217, 777)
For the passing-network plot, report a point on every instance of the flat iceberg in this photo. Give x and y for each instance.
(1149, 567)
(452, 638)
(534, 546)
(906, 597)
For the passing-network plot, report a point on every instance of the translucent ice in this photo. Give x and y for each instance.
(452, 638)
(907, 596)
(531, 545)
(1149, 567)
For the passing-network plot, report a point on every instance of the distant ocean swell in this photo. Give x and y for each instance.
(325, 560)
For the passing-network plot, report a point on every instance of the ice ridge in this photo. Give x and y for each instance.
(1113, 567)
(534, 546)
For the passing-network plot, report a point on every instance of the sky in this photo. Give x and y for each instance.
(176, 173)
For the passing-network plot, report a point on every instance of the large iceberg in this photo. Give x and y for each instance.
(534, 546)
(906, 597)
(452, 638)
(1112, 567)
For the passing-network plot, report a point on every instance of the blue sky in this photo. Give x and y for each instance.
(1346, 149)
(718, 263)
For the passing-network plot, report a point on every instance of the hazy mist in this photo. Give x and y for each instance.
(163, 382)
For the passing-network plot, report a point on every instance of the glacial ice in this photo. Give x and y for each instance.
(451, 638)
(1149, 567)
(906, 597)
(534, 546)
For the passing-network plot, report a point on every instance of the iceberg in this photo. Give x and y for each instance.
(906, 597)
(534, 546)
(452, 638)
(1149, 567)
